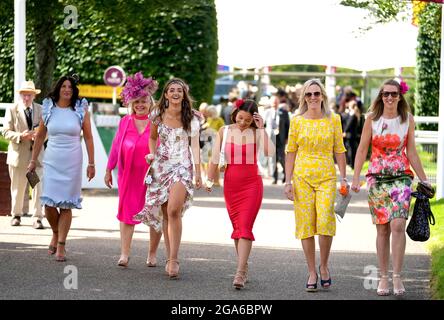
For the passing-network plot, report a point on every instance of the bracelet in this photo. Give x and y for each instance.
(261, 128)
(344, 179)
(31, 161)
(288, 183)
(91, 165)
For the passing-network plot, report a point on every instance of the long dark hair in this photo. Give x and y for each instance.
(377, 107)
(247, 106)
(187, 103)
(55, 93)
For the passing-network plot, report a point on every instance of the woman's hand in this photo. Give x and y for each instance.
(198, 183)
(356, 185)
(90, 172)
(108, 179)
(288, 190)
(31, 166)
(258, 120)
(149, 158)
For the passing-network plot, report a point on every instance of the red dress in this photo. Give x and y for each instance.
(243, 188)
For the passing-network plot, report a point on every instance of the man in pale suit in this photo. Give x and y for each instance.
(18, 128)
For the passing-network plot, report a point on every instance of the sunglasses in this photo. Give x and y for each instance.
(309, 94)
(394, 94)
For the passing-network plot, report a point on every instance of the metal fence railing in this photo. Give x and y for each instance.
(426, 141)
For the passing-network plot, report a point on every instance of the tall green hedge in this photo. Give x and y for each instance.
(176, 38)
(428, 63)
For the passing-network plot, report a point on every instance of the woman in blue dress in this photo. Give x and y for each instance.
(64, 117)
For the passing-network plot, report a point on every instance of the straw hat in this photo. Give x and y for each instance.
(28, 86)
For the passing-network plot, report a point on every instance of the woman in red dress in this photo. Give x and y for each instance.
(243, 188)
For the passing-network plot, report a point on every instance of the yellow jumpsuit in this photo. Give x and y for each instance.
(314, 175)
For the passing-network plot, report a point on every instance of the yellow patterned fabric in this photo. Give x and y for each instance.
(314, 176)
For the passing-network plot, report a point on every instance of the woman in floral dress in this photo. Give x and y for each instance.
(389, 129)
(170, 179)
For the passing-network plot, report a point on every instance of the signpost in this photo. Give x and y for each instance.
(115, 77)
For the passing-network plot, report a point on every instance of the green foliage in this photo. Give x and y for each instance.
(3, 144)
(381, 10)
(436, 246)
(161, 38)
(428, 63)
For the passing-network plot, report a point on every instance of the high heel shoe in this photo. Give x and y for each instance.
(123, 262)
(325, 283)
(53, 249)
(398, 291)
(312, 287)
(151, 263)
(173, 274)
(60, 258)
(239, 279)
(383, 291)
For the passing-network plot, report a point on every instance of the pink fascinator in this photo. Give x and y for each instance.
(138, 87)
(238, 103)
(403, 87)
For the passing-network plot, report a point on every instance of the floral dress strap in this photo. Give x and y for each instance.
(80, 109)
(154, 117)
(47, 106)
(195, 123)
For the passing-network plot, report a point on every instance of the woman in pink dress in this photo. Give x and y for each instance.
(128, 151)
(243, 187)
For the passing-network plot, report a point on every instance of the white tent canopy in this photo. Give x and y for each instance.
(258, 33)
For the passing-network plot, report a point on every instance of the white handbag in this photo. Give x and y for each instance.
(222, 160)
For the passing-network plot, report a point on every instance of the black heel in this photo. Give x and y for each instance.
(325, 283)
(312, 287)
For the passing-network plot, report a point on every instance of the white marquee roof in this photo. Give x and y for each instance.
(257, 33)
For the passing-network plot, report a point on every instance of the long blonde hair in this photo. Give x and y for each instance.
(303, 107)
(377, 107)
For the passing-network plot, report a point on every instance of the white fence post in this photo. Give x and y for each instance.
(19, 44)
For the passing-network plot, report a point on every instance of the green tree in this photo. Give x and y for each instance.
(428, 63)
(428, 50)
(161, 38)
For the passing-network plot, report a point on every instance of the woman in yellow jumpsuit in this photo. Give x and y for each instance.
(315, 136)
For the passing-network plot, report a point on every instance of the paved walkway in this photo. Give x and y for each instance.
(277, 264)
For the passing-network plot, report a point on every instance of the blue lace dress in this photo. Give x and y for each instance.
(62, 163)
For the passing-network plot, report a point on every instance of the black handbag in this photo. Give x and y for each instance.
(419, 225)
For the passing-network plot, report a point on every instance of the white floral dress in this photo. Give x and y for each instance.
(172, 163)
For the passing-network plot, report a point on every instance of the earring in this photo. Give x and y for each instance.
(167, 103)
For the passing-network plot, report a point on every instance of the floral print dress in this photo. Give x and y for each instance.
(389, 177)
(172, 163)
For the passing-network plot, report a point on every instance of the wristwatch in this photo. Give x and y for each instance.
(209, 184)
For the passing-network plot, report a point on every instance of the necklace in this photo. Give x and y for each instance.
(140, 117)
(172, 117)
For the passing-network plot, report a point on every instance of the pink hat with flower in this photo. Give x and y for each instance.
(138, 87)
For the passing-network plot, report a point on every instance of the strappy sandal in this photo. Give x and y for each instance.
(151, 264)
(398, 291)
(239, 279)
(123, 263)
(174, 275)
(58, 257)
(383, 291)
(52, 249)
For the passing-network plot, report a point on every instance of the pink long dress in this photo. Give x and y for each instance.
(128, 153)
